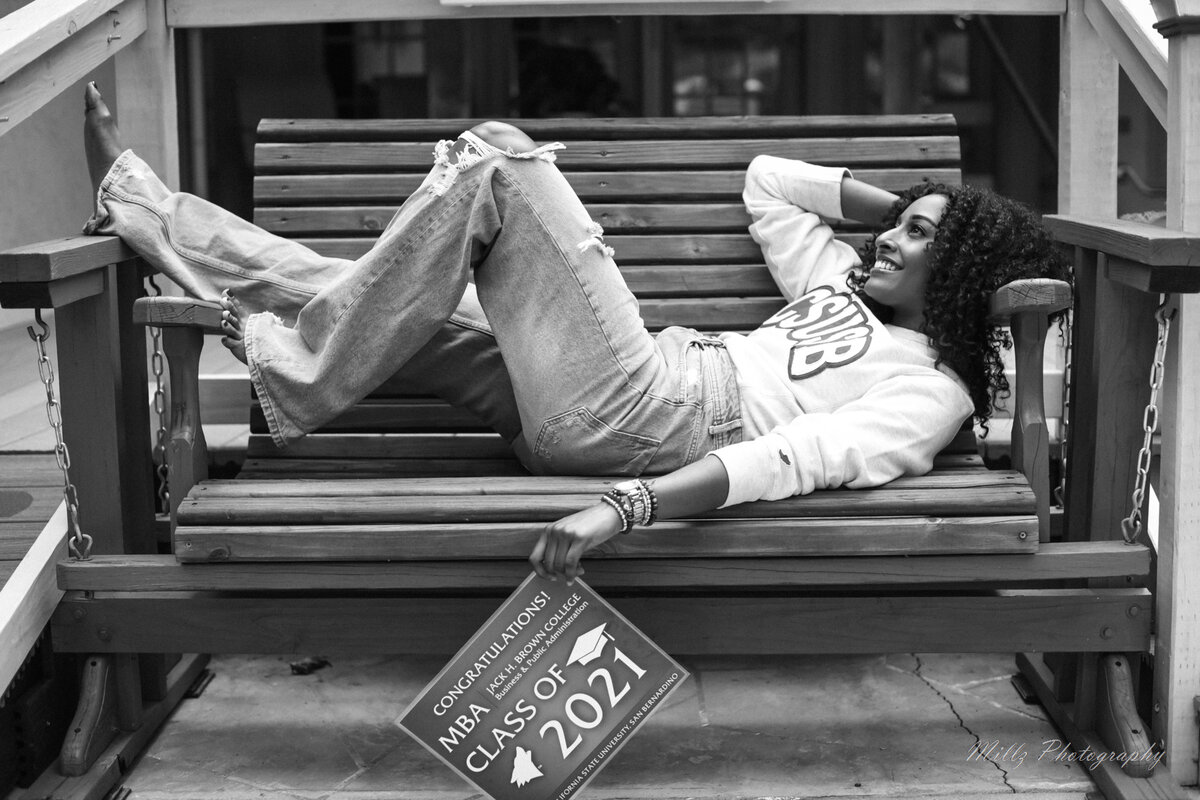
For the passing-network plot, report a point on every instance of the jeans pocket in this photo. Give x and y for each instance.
(579, 443)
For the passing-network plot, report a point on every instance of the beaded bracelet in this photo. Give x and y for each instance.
(652, 502)
(626, 515)
(638, 501)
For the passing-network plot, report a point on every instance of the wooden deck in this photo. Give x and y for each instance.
(30, 491)
(30, 483)
(31, 488)
(23, 424)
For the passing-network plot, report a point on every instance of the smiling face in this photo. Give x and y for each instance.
(901, 268)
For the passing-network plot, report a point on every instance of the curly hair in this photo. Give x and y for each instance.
(983, 241)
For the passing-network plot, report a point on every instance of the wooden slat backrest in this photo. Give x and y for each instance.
(667, 191)
(335, 184)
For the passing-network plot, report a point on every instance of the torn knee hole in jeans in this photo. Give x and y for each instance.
(596, 239)
(472, 152)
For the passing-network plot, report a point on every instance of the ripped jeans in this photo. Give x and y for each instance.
(547, 346)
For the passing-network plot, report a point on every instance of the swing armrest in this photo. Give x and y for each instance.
(1026, 306)
(1038, 296)
(184, 322)
(178, 312)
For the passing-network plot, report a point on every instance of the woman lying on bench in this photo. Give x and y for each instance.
(867, 373)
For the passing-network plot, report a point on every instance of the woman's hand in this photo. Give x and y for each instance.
(700, 486)
(561, 544)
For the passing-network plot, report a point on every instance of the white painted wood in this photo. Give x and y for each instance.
(230, 13)
(1138, 16)
(147, 109)
(29, 596)
(1139, 49)
(33, 30)
(1087, 119)
(27, 90)
(1177, 667)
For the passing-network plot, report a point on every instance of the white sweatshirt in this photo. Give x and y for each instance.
(830, 395)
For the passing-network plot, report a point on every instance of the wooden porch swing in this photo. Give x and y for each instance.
(342, 541)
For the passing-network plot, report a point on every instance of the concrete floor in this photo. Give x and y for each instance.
(813, 727)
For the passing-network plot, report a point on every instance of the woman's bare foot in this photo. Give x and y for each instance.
(231, 321)
(101, 139)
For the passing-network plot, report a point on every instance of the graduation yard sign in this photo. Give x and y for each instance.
(543, 695)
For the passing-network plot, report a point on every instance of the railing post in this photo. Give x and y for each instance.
(1087, 184)
(147, 108)
(102, 377)
(1087, 119)
(1114, 342)
(1176, 674)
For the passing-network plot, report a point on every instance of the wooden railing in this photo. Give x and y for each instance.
(1127, 28)
(49, 45)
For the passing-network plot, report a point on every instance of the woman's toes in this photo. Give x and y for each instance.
(231, 325)
(233, 310)
(232, 316)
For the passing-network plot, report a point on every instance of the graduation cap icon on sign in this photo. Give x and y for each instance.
(588, 646)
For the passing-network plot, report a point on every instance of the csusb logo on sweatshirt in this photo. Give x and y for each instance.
(830, 329)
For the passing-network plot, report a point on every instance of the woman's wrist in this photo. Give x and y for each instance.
(616, 517)
(618, 508)
(864, 202)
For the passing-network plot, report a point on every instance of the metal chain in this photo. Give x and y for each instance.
(1067, 327)
(160, 408)
(1060, 493)
(79, 542)
(1131, 526)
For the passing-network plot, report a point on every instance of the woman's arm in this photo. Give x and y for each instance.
(864, 202)
(700, 486)
(788, 201)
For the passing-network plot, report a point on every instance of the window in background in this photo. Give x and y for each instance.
(378, 68)
(733, 65)
(570, 67)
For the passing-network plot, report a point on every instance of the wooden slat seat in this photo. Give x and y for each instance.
(413, 519)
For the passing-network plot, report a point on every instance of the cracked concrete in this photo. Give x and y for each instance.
(815, 727)
(992, 751)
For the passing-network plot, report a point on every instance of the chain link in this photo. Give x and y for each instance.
(79, 542)
(160, 409)
(1131, 526)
